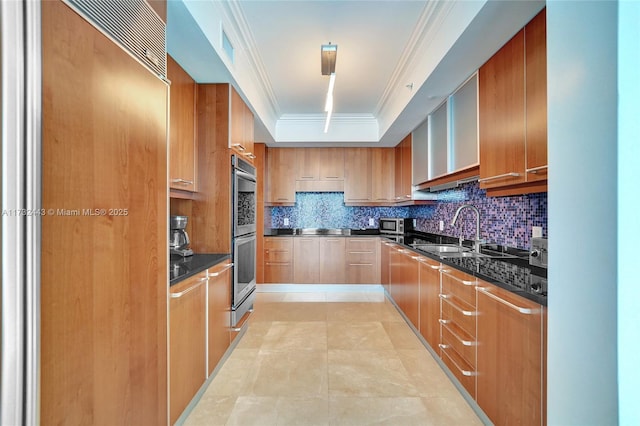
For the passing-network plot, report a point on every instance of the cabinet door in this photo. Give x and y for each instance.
(236, 138)
(357, 185)
(403, 170)
(187, 340)
(363, 266)
(410, 282)
(331, 164)
(278, 260)
(382, 174)
(182, 141)
(430, 301)
(536, 96)
(502, 116)
(306, 256)
(420, 153)
(385, 250)
(307, 163)
(248, 133)
(219, 312)
(395, 274)
(510, 357)
(332, 261)
(281, 175)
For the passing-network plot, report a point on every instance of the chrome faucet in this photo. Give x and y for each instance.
(477, 241)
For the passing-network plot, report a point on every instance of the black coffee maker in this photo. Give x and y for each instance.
(178, 237)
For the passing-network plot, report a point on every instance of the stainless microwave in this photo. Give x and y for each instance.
(395, 225)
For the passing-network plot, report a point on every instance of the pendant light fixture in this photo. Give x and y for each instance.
(328, 53)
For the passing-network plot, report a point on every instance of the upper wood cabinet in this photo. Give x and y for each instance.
(382, 175)
(241, 137)
(320, 164)
(403, 163)
(281, 175)
(536, 96)
(512, 110)
(182, 140)
(357, 185)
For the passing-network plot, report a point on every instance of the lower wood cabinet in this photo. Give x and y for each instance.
(511, 337)
(187, 342)
(458, 326)
(278, 260)
(362, 261)
(404, 282)
(332, 260)
(429, 301)
(306, 256)
(219, 304)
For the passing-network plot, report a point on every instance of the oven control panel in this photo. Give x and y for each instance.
(539, 254)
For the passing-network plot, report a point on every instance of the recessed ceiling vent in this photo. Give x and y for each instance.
(133, 24)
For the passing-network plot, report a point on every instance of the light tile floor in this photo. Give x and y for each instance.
(330, 359)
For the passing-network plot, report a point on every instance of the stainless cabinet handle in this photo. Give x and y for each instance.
(463, 282)
(464, 372)
(250, 155)
(512, 174)
(331, 177)
(242, 324)
(182, 181)
(193, 287)
(238, 146)
(460, 339)
(441, 346)
(447, 298)
(525, 311)
(215, 274)
(444, 321)
(535, 170)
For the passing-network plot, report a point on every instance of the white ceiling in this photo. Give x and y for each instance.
(396, 60)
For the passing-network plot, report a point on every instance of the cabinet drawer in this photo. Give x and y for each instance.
(362, 245)
(361, 257)
(278, 249)
(278, 273)
(459, 284)
(460, 313)
(465, 374)
(460, 341)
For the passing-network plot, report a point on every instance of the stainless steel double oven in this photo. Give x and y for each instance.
(243, 238)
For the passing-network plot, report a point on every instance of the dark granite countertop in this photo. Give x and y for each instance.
(513, 273)
(320, 232)
(185, 267)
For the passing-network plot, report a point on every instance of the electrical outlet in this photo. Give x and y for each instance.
(371, 222)
(286, 221)
(536, 231)
(441, 225)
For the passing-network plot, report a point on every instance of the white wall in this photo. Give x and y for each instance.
(628, 211)
(582, 85)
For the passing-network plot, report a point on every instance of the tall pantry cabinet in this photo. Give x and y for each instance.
(104, 240)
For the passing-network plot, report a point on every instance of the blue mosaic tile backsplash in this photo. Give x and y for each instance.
(503, 220)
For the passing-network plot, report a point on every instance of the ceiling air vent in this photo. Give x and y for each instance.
(133, 24)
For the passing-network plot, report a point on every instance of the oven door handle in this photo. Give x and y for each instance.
(244, 175)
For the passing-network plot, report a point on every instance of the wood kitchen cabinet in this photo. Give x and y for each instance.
(306, 253)
(321, 164)
(281, 175)
(241, 136)
(385, 249)
(182, 136)
(404, 282)
(536, 97)
(458, 315)
(219, 303)
(278, 260)
(103, 279)
(511, 338)
(332, 260)
(430, 301)
(382, 175)
(357, 185)
(362, 260)
(403, 174)
(512, 110)
(187, 342)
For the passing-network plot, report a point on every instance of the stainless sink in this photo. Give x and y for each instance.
(322, 231)
(441, 249)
